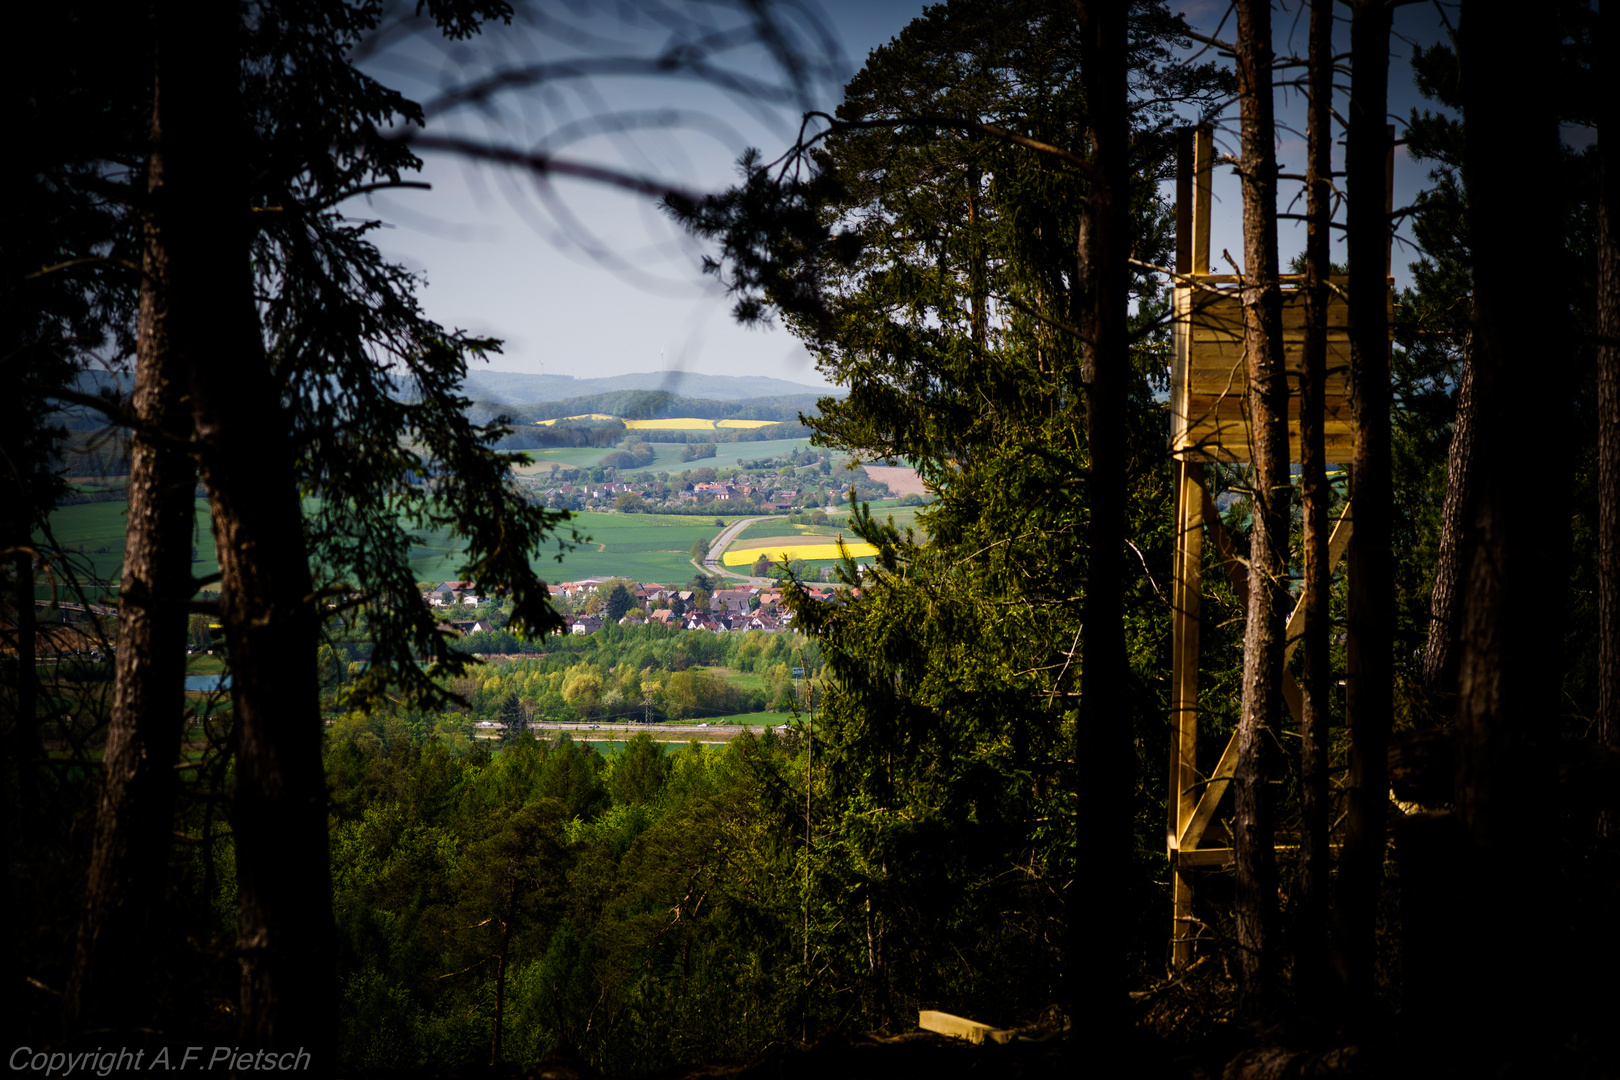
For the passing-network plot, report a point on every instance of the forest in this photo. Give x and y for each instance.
(997, 242)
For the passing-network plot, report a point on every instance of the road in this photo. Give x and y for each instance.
(661, 732)
(712, 563)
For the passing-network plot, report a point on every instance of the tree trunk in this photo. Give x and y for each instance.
(1511, 667)
(500, 970)
(1253, 827)
(1311, 913)
(284, 905)
(117, 964)
(1371, 677)
(1104, 750)
(1441, 651)
(1608, 382)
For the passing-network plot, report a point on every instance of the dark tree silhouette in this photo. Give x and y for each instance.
(1253, 825)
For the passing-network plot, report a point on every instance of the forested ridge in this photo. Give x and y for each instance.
(1415, 854)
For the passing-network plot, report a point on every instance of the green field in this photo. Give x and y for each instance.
(93, 534)
(668, 457)
(645, 547)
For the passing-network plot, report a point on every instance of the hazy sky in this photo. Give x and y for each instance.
(583, 280)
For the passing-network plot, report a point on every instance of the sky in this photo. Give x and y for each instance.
(585, 280)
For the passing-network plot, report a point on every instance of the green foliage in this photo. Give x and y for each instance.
(641, 923)
(695, 450)
(931, 269)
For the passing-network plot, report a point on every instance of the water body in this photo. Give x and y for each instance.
(208, 683)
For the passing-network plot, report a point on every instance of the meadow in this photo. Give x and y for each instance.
(668, 459)
(644, 547)
(93, 534)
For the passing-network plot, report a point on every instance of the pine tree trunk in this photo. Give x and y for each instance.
(243, 432)
(1253, 827)
(1104, 748)
(1511, 667)
(1371, 678)
(1440, 651)
(500, 970)
(117, 966)
(1608, 465)
(1316, 809)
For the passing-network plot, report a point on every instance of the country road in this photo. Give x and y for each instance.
(659, 732)
(712, 563)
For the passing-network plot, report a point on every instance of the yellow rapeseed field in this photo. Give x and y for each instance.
(745, 556)
(681, 423)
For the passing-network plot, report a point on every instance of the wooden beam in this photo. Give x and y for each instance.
(944, 1023)
(1194, 175)
(1187, 598)
(1203, 175)
(1215, 786)
(1223, 856)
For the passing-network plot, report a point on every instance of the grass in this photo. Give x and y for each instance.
(579, 457)
(774, 527)
(668, 459)
(581, 416)
(756, 719)
(94, 534)
(646, 547)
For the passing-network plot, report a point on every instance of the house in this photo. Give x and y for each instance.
(586, 624)
(665, 617)
(700, 621)
(730, 601)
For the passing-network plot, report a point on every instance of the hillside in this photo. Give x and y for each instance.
(650, 405)
(524, 388)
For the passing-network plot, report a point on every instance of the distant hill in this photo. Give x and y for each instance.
(650, 405)
(524, 388)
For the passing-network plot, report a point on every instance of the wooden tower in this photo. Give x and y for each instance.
(1209, 422)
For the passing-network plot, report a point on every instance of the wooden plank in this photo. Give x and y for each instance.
(959, 1027)
(1214, 450)
(1180, 344)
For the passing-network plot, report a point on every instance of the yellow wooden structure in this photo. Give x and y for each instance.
(1209, 423)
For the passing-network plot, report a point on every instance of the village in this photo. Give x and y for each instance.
(587, 605)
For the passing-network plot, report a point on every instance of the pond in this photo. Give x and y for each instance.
(208, 683)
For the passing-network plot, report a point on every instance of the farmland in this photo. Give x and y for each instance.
(693, 423)
(93, 534)
(668, 454)
(644, 547)
(794, 549)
